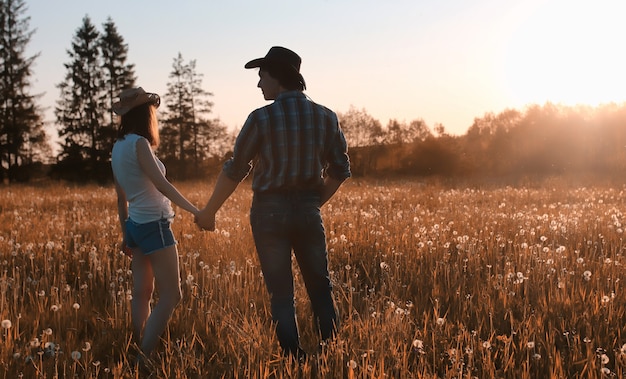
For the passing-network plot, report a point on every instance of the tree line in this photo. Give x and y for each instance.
(96, 72)
(539, 141)
(544, 139)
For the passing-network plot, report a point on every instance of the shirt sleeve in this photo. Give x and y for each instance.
(240, 164)
(338, 160)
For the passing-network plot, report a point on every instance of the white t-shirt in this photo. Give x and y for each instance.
(145, 202)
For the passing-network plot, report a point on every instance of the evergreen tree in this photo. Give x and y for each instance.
(176, 113)
(81, 107)
(202, 129)
(187, 132)
(23, 140)
(118, 75)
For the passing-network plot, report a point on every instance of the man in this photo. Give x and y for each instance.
(300, 160)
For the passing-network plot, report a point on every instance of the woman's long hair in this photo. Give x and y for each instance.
(141, 120)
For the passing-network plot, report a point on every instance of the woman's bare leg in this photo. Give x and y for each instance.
(166, 274)
(143, 286)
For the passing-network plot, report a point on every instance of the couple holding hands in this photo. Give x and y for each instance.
(300, 160)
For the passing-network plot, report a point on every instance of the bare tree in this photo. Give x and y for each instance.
(360, 128)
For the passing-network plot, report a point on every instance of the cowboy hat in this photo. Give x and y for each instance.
(278, 55)
(132, 97)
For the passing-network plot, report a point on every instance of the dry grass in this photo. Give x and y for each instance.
(430, 282)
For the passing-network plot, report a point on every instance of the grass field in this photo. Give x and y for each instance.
(431, 281)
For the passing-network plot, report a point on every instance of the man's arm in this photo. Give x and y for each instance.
(224, 187)
(329, 188)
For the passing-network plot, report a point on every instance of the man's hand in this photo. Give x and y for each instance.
(205, 220)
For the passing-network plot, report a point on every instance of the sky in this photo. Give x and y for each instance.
(442, 61)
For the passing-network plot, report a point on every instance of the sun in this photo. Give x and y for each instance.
(568, 52)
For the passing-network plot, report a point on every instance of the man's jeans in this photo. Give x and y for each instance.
(282, 221)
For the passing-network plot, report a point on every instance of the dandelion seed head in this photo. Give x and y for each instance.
(352, 364)
(604, 359)
(76, 355)
(6, 324)
(530, 344)
(87, 346)
(76, 306)
(441, 321)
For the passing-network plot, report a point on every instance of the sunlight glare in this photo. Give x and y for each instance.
(568, 52)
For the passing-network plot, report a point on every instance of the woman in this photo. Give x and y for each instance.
(144, 197)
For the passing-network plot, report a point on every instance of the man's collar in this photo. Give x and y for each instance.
(292, 93)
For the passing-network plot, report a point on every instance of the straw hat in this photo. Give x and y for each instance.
(132, 97)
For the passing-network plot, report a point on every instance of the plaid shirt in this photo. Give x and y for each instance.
(291, 143)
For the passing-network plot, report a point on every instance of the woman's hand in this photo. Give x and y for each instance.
(125, 249)
(205, 220)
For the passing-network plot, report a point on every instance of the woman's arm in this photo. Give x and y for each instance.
(122, 209)
(149, 166)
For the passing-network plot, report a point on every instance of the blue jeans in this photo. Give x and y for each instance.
(282, 222)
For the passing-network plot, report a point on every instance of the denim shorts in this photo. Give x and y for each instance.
(151, 236)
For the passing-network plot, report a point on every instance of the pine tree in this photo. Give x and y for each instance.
(23, 140)
(176, 115)
(81, 108)
(187, 132)
(201, 127)
(118, 75)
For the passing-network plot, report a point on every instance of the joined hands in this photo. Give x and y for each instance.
(205, 220)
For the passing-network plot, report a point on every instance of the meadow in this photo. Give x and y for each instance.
(431, 280)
